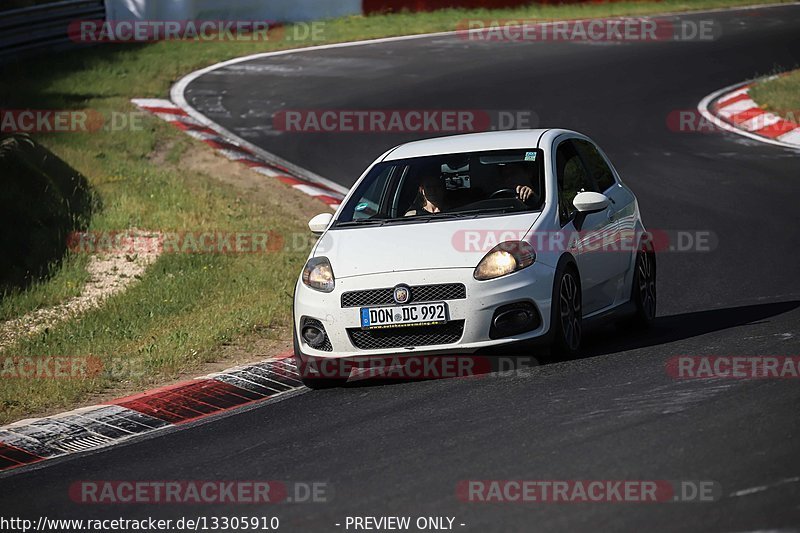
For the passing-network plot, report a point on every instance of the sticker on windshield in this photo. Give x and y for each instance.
(530, 156)
(362, 206)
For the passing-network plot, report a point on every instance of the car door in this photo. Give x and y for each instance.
(622, 211)
(586, 235)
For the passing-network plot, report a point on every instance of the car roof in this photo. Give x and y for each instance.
(470, 142)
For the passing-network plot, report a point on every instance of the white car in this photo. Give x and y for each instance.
(461, 244)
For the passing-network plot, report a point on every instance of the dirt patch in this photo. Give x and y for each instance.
(254, 187)
(109, 274)
(161, 152)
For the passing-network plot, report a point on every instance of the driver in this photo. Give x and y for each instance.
(430, 197)
(516, 178)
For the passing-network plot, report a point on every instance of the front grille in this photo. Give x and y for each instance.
(419, 293)
(326, 346)
(377, 339)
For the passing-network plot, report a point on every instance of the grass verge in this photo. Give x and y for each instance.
(189, 308)
(780, 95)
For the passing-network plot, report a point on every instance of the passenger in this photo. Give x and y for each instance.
(430, 197)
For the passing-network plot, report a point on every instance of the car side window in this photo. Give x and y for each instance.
(598, 168)
(370, 202)
(572, 178)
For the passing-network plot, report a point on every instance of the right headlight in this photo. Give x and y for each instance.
(318, 274)
(505, 258)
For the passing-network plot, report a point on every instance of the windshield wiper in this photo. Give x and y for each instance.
(492, 211)
(425, 218)
(363, 222)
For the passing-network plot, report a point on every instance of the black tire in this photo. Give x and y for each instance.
(305, 366)
(643, 292)
(567, 313)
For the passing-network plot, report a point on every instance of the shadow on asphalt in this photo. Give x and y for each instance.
(680, 327)
(609, 339)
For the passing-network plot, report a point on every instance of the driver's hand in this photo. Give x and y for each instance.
(524, 192)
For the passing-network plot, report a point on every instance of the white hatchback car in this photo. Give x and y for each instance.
(459, 244)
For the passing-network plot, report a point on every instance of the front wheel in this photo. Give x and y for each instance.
(568, 315)
(316, 373)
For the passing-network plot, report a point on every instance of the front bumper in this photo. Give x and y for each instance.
(533, 284)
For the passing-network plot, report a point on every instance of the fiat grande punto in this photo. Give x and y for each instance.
(457, 245)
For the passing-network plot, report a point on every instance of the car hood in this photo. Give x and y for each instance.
(458, 243)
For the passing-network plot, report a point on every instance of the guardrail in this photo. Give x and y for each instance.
(44, 27)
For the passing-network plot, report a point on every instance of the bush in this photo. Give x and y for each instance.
(42, 200)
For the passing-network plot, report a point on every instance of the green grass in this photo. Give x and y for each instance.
(66, 283)
(186, 307)
(780, 95)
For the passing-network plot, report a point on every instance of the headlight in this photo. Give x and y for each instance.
(318, 274)
(505, 258)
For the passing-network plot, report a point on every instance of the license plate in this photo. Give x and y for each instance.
(404, 315)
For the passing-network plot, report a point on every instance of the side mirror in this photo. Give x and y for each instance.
(590, 202)
(320, 223)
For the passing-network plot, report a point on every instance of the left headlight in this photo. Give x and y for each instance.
(318, 274)
(505, 258)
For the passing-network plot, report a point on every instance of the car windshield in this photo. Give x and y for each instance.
(447, 186)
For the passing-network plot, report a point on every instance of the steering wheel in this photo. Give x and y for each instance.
(503, 193)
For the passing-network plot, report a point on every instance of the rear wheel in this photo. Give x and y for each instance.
(568, 312)
(643, 292)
